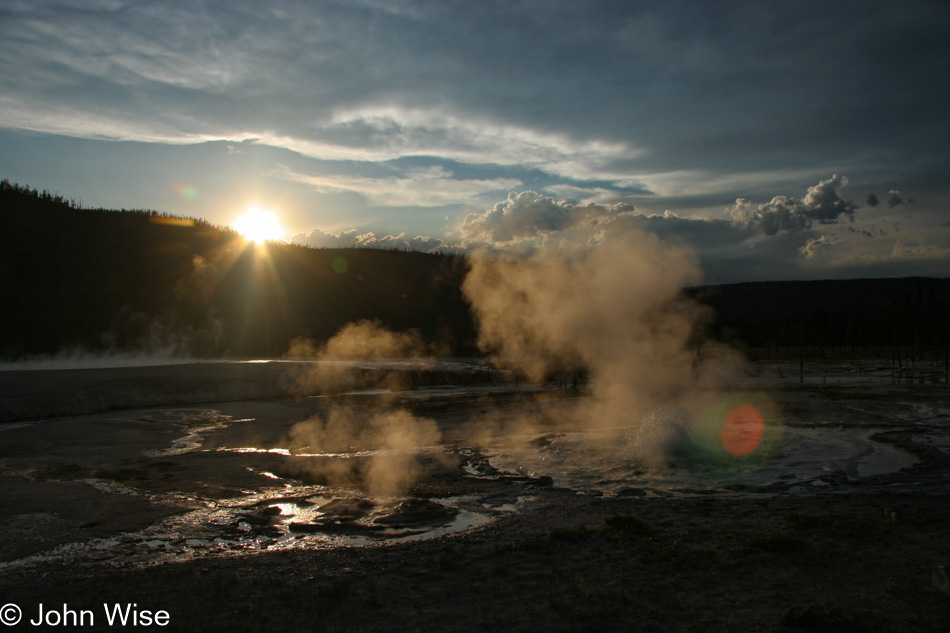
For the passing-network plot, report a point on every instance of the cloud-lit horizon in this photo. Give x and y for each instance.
(778, 140)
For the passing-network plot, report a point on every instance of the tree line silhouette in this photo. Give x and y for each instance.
(901, 319)
(79, 279)
(95, 280)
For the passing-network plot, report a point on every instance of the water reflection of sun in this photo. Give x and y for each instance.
(258, 225)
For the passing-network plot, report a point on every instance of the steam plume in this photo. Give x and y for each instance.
(390, 440)
(616, 311)
(354, 341)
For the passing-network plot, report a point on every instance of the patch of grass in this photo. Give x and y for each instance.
(827, 619)
(573, 535)
(555, 593)
(371, 600)
(777, 543)
(836, 526)
(534, 543)
(336, 589)
(542, 542)
(557, 582)
(890, 515)
(447, 562)
(627, 526)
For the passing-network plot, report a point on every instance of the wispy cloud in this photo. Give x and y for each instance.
(374, 134)
(425, 187)
(666, 105)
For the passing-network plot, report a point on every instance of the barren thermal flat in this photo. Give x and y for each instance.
(187, 494)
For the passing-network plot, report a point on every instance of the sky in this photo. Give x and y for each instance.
(778, 140)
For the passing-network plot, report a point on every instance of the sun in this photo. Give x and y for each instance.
(258, 225)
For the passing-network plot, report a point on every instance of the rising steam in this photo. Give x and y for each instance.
(388, 440)
(338, 370)
(616, 311)
(363, 339)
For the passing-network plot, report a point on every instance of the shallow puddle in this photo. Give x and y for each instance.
(885, 459)
(584, 462)
(298, 518)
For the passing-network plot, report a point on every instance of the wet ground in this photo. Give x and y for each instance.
(817, 502)
(146, 486)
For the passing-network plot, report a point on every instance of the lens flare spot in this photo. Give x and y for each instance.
(186, 191)
(742, 430)
(339, 265)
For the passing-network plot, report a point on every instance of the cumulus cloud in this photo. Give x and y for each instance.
(318, 238)
(895, 200)
(816, 244)
(776, 240)
(822, 204)
(529, 215)
(352, 238)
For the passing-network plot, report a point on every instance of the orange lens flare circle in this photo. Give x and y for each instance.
(742, 430)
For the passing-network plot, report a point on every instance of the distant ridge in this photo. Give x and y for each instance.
(104, 281)
(857, 312)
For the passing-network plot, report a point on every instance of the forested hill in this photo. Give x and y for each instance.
(139, 281)
(98, 280)
(912, 312)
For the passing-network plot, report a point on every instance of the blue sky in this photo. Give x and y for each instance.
(780, 140)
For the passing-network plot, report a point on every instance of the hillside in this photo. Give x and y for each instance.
(100, 280)
(900, 313)
(138, 281)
